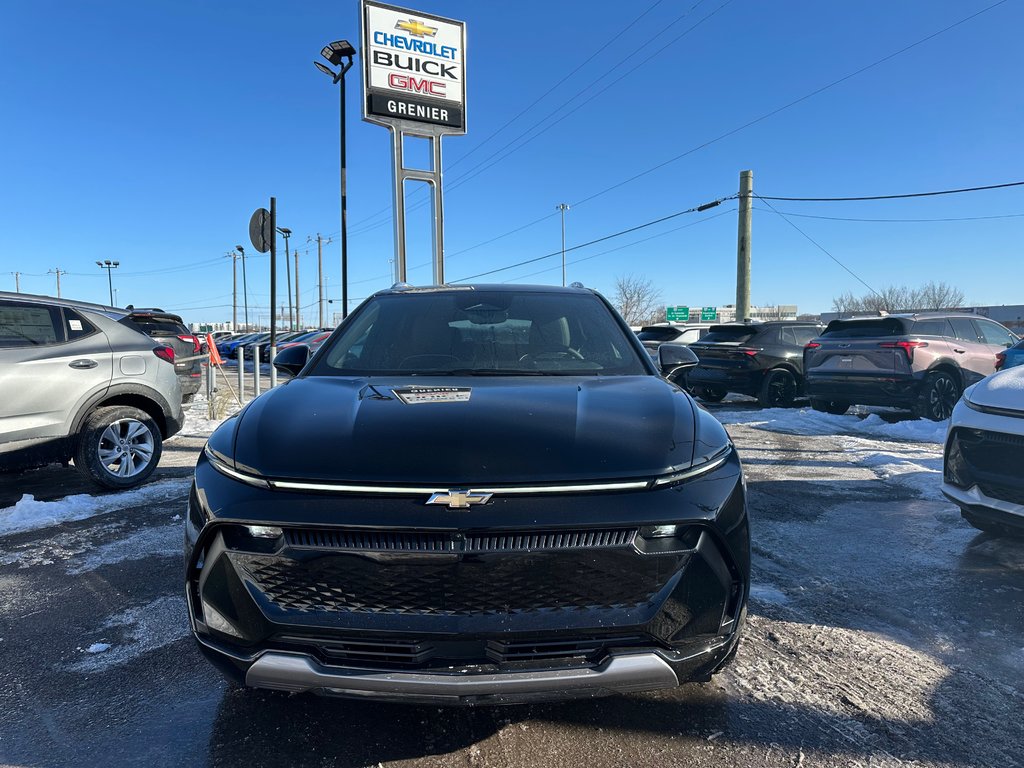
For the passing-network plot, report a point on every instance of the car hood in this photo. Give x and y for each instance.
(509, 430)
(1004, 389)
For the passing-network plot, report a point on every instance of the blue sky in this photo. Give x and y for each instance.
(149, 132)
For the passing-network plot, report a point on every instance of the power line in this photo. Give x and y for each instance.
(623, 247)
(901, 221)
(892, 197)
(498, 156)
(820, 247)
(793, 103)
(620, 233)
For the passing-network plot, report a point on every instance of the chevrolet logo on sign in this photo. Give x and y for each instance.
(416, 28)
(459, 499)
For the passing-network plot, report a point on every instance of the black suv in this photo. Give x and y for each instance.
(763, 360)
(169, 329)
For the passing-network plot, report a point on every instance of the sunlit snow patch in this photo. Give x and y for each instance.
(29, 514)
(138, 631)
(806, 421)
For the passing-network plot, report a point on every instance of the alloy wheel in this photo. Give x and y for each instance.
(126, 448)
(942, 398)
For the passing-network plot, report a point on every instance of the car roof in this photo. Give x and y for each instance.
(31, 298)
(405, 288)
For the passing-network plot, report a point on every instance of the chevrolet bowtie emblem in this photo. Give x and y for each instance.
(459, 499)
(416, 28)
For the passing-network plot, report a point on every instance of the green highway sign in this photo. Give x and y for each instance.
(677, 314)
(708, 314)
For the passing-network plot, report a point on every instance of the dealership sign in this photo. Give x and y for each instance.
(414, 69)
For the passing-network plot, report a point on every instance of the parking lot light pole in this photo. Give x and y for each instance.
(109, 265)
(334, 53)
(245, 286)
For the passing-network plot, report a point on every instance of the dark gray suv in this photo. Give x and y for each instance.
(80, 381)
(918, 361)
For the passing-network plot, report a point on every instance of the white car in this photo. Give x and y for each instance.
(983, 465)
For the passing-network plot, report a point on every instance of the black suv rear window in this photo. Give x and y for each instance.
(735, 333)
(160, 326)
(657, 334)
(862, 329)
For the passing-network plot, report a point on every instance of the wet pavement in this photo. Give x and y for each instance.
(883, 631)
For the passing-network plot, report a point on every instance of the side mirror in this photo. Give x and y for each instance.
(673, 358)
(292, 360)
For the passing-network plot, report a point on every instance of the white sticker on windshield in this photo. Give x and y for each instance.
(417, 395)
(76, 325)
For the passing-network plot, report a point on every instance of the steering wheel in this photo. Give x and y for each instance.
(567, 353)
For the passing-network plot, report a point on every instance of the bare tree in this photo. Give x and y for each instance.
(637, 299)
(899, 298)
(940, 296)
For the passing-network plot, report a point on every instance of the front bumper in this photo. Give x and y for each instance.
(743, 381)
(507, 602)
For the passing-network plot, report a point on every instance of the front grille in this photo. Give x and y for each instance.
(411, 541)
(419, 652)
(993, 461)
(517, 584)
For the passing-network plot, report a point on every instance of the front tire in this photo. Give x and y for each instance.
(118, 447)
(778, 389)
(830, 406)
(938, 397)
(710, 394)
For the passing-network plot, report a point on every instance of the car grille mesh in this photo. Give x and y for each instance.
(994, 461)
(409, 541)
(511, 585)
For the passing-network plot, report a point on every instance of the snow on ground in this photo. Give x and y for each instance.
(30, 514)
(164, 541)
(806, 421)
(135, 632)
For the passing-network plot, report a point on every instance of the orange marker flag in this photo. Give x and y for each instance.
(215, 358)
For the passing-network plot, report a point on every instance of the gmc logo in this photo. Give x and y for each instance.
(416, 85)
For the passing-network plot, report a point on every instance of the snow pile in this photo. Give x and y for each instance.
(806, 421)
(98, 648)
(30, 514)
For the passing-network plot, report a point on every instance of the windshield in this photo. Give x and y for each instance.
(481, 333)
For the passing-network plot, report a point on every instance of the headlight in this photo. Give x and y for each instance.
(221, 466)
(709, 464)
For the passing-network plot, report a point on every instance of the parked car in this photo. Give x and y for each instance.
(1011, 357)
(653, 336)
(246, 347)
(217, 337)
(312, 339)
(168, 328)
(984, 454)
(921, 362)
(283, 337)
(80, 382)
(760, 359)
(227, 347)
(484, 494)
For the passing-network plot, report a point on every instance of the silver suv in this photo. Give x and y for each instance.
(78, 381)
(917, 361)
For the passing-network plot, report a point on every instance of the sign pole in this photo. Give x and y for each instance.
(398, 198)
(438, 222)
(273, 302)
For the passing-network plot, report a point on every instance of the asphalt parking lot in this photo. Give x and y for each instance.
(882, 631)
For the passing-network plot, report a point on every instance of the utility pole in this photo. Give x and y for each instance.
(320, 243)
(234, 289)
(563, 207)
(298, 319)
(17, 283)
(58, 272)
(743, 246)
